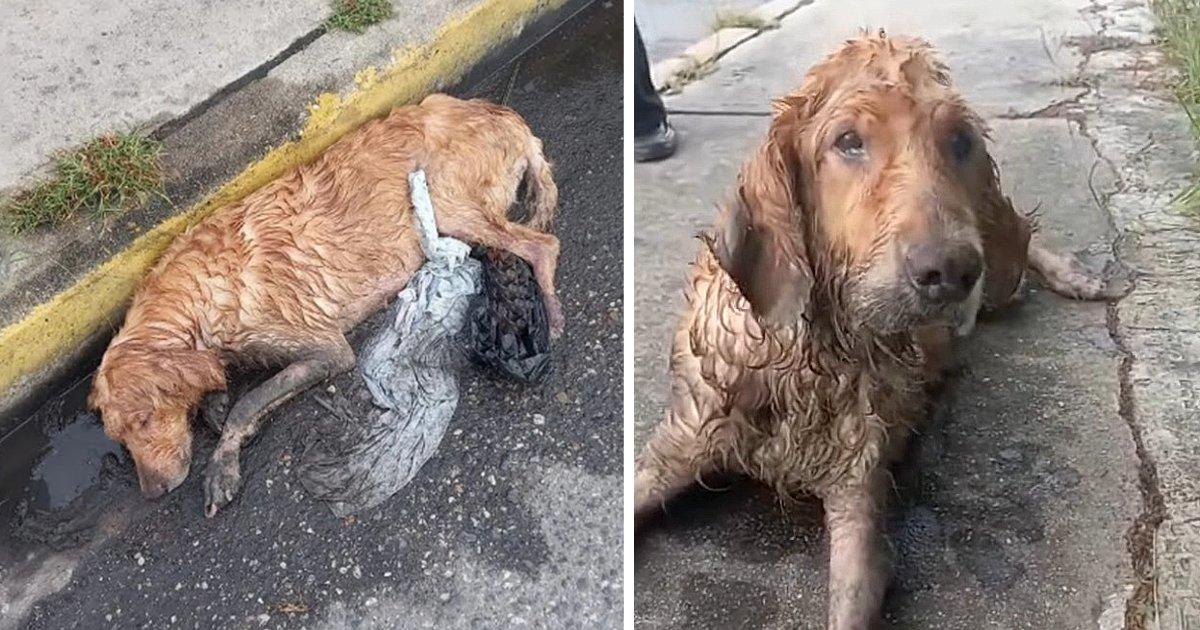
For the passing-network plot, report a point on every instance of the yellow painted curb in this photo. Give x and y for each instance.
(55, 328)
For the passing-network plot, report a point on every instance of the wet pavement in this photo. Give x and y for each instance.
(669, 26)
(1022, 498)
(516, 520)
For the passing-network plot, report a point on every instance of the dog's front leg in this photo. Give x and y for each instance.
(223, 476)
(858, 565)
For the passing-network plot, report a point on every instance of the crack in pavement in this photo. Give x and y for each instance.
(1139, 537)
(258, 72)
(704, 112)
(1139, 606)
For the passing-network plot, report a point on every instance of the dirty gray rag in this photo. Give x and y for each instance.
(408, 369)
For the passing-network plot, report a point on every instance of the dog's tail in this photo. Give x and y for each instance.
(541, 196)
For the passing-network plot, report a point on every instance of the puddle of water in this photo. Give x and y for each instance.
(71, 463)
(55, 456)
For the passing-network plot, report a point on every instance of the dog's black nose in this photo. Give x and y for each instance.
(943, 273)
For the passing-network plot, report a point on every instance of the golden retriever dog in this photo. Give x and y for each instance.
(865, 231)
(279, 278)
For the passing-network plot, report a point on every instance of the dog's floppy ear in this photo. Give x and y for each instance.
(759, 238)
(1005, 234)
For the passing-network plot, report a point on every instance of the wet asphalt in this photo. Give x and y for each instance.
(516, 520)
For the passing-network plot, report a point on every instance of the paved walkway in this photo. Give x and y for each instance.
(1036, 495)
(670, 26)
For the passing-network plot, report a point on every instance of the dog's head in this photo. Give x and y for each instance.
(145, 398)
(874, 190)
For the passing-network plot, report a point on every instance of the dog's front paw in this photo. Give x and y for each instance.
(1119, 280)
(213, 410)
(221, 480)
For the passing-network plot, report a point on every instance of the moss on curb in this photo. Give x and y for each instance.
(742, 19)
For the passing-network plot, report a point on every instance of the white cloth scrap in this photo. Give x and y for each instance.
(357, 463)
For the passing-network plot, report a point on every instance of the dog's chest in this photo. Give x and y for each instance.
(822, 430)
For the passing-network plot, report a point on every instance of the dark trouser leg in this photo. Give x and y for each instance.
(648, 112)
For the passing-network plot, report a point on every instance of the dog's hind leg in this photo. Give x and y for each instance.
(1068, 277)
(472, 223)
(315, 364)
(690, 440)
(859, 568)
(543, 192)
(672, 460)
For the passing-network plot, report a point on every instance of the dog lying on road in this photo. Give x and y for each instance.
(865, 230)
(279, 278)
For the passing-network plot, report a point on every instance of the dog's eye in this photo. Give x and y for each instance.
(960, 146)
(850, 145)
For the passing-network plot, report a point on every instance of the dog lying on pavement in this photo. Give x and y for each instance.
(866, 230)
(278, 278)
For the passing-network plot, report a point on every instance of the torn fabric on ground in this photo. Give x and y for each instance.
(357, 463)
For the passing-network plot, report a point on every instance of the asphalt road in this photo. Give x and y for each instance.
(515, 521)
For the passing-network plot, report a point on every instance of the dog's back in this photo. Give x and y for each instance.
(278, 278)
(321, 247)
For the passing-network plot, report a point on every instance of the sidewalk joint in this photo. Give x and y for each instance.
(1140, 608)
(258, 72)
(717, 112)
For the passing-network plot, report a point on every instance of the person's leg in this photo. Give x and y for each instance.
(654, 139)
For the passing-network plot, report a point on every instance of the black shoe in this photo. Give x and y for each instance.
(657, 145)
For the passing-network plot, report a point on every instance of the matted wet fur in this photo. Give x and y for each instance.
(279, 278)
(817, 311)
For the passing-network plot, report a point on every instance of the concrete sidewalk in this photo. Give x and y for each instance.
(140, 65)
(1057, 485)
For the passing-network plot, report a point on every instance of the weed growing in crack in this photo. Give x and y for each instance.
(356, 15)
(1179, 26)
(107, 175)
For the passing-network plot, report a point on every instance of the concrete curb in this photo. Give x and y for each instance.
(36, 349)
(668, 74)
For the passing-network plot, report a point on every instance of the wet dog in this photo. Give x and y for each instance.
(279, 278)
(866, 230)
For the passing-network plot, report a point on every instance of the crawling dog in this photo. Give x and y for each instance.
(279, 278)
(867, 228)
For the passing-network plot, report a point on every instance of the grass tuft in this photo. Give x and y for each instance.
(106, 175)
(1179, 23)
(742, 19)
(356, 15)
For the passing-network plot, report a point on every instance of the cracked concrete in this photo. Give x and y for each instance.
(1057, 485)
(1140, 130)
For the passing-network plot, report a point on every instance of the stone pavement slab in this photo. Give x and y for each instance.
(1005, 57)
(1138, 127)
(76, 73)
